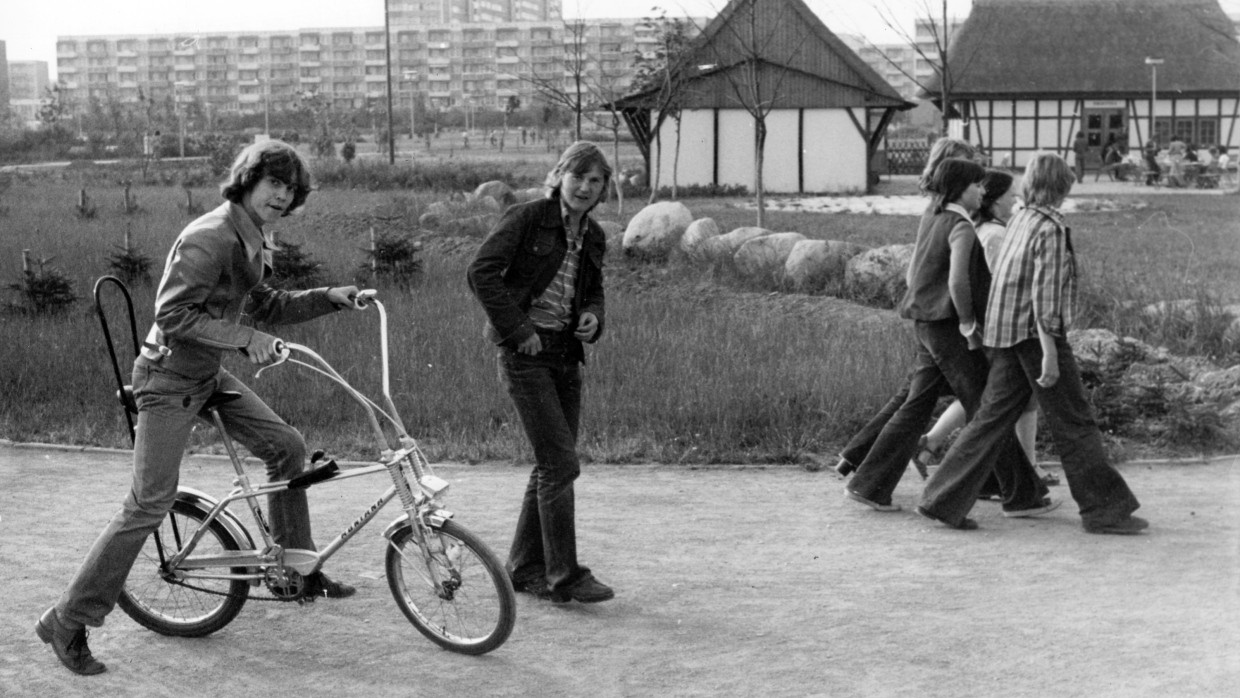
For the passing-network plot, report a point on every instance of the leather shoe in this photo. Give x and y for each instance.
(318, 584)
(586, 589)
(966, 524)
(871, 504)
(68, 644)
(1127, 526)
(534, 587)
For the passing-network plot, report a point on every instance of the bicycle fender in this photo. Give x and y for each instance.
(206, 503)
(435, 519)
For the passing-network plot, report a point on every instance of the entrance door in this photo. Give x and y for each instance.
(1100, 125)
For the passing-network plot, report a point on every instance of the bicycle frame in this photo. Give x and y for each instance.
(421, 507)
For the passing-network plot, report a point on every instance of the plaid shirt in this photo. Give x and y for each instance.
(553, 310)
(1034, 279)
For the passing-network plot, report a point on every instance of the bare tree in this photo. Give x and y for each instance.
(753, 50)
(566, 83)
(934, 53)
(664, 75)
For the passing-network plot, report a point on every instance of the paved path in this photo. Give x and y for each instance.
(743, 581)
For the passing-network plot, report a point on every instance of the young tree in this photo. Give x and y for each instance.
(753, 48)
(563, 82)
(663, 74)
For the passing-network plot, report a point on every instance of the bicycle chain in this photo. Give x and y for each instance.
(298, 599)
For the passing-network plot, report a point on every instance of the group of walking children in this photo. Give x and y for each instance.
(991, 298)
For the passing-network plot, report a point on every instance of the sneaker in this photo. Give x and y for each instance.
(873, 505)
(68, 644)
(586, 589)
(318, 584)
(966, 524)
(1127, 526)
(1048, 504)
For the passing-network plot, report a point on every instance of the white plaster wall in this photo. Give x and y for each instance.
(835, 152)
(736, 148)
(697, 136)
(780, 160)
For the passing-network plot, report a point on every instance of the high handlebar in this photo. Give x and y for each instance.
(363, 298)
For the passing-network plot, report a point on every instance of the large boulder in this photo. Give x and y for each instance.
(698, 231)
(814, 266)
(721, 248)
(656, 229)
(877, 275)
(529, 194)
(763, 258)
(497, 190)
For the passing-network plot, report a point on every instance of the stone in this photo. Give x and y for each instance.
(877, 275)
(814, 266)
(720, 248)
(614, 232)
(763, 258)
(497, 190)
(656, 229)
(697, 232)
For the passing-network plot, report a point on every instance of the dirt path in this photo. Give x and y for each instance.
(731, 582)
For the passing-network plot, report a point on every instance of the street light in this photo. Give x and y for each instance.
(1153, 63)
(412, 77)
(266, 106)
(181, 111)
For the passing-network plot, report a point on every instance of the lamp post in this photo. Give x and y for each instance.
(1153, 63)
(180, 111)
(267, 107)
(412, 77)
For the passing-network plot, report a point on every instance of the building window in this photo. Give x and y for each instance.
(1207, 132)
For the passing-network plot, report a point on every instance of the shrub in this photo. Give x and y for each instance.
(45, 292)
(295, 269)
(394, 258)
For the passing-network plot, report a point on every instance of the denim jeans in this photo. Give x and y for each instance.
(1097, 487)
(943, 365)
(168, 404)
(546, 390)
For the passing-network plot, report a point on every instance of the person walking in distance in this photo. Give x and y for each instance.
(1080, 149)
(539, 277)
(1029, 312)
(214, 277)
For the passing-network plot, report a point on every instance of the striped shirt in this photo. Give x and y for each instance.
(553, 309)
(1034, 279)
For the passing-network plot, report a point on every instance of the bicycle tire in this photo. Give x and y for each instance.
(476, 613)
(196, 608)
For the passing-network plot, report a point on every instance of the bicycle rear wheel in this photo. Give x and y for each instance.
(467, 605)
(194, 607)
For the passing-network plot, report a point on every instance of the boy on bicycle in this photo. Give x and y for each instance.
(213, 278)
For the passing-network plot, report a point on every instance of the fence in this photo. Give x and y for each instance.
(902, 157)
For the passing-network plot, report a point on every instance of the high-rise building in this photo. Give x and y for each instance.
(28, 83)
(415, 12)
(910, 65)
(446, 65)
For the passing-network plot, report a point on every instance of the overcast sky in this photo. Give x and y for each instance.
(29, 27)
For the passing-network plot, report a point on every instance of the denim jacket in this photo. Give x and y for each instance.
(212, 282)
(520, 258)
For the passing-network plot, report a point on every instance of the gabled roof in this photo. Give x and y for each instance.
(1093, 47)
(819, 69)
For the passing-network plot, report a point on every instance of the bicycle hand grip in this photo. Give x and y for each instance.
(281, 350)
(363, 298)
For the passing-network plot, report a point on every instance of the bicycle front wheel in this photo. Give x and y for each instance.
(190, 608)
(453, 589)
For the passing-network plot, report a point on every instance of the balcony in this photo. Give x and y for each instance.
(438, 61)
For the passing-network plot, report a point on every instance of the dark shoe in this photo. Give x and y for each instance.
(966, 524)
(1048, 504)
(318, 584)
(1129, 526)
(844, 468)
(1048, 478)
(534, 587)
(873, 505)
(68, 644)
(587, 589)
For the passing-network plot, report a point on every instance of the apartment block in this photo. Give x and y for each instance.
(904, 65)
(410, 13)
(28, 83)
(447, 65)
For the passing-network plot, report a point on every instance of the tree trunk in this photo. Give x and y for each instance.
(615, 154)
(759, 146)
(676, 160)
(658, 166)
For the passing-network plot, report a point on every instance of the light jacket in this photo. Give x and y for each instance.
(212, 292)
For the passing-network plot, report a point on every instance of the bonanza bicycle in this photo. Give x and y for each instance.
(195, 572)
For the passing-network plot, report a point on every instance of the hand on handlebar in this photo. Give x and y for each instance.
(350, 297)
(264, 348)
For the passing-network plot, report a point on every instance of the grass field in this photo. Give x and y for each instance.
(678, 377)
